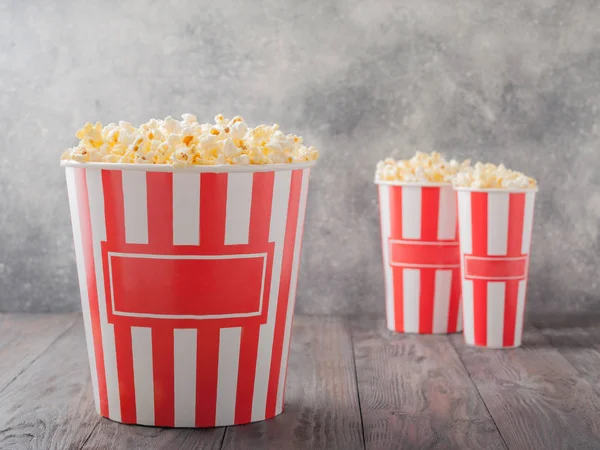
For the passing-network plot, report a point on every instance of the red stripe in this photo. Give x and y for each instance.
(90, 273)
(479, 203)
(480, 311)
(260, 213)
(398, 275)
(426, 300)
(510, 312)
(397, 272)
(453, 308)
(516, 217)
(260, 220)
(395, 211)
(430, 212)
(163, 363)
(114, 212)
(213, 207)
(114, 208)
(125, 371)
(159, 186)
(284, 290)
(207, 361)
(246, 374)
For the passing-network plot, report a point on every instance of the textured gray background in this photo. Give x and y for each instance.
(499, 80)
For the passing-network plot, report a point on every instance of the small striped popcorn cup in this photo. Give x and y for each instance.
(420, 257)
(188, 283)
(495, 239)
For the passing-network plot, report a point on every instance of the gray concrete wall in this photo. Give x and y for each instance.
(499, 80)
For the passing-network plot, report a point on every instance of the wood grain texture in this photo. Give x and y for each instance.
(415, 392)
(112, 435)
(50, 405)
(536, 397)
(24, 337)
(578, 340)
(321, 401)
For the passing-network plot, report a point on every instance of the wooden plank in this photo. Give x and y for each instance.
(24, 337)
(50, 404)
(536, 398)
(321, 401)
(581, 347)
(112, 435)
(415, 392)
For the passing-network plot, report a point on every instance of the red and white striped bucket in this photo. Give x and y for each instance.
(421, 257)
(495, 239)
(188, 282)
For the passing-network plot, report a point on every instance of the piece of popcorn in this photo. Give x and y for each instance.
(187, 142)
(421, 168)
(490, 176)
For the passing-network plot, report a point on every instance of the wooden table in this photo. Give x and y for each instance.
(351, 385)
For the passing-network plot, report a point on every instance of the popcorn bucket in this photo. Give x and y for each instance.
(495, 239)
(188, 282)
(421, 257)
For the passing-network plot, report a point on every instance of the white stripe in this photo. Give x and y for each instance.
(136, 207)
(384, 208)
(239, 201)
(143, 375)
(468, 311)
(81, 275)
(411, 286)
(411, 212)
(229, 358)
(279, 207)
(447, 213)
(497, 223)
(459, 322)
(495, 313)
(464, 223)
(292, 293)
(441, 300)
(185, 353)
(528, 222)
(96, 199)
(520, 312)
(186, 209)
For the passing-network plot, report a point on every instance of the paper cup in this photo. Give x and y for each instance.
(495, 239)
(188, 282)
(421, 257)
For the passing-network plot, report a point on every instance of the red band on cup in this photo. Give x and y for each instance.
(498, 268)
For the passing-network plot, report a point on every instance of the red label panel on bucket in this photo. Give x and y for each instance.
(187, 286)
(420, 254)
(499, 268)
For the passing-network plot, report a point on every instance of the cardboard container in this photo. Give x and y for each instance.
(495, 239)
(421, 257)
(188, 282)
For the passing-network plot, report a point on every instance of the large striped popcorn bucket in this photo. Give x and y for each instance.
(495, 239)
(188, 283)
(420, 257)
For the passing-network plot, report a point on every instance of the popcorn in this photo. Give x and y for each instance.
(490, 176)
(187, 142)
(421, 168)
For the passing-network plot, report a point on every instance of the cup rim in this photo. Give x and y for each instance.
(222, 168)
(414, 183)
(509, 190)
